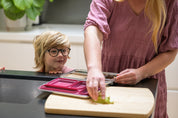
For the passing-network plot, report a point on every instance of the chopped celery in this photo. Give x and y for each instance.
(104, 101)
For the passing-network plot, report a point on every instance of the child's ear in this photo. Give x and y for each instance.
(68, 57)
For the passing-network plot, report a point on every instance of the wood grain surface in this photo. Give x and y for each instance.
(128, 102)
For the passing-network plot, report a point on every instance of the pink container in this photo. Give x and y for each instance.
(64, 86)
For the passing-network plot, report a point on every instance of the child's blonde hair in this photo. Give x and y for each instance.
(155, 10)
(45, 41)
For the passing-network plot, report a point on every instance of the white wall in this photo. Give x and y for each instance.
(17, 52)
(172, 83)
(17, 56)
(20, 56)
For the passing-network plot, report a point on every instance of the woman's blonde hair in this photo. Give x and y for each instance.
(44, 42)
(155, 10)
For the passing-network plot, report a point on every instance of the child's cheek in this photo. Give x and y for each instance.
(65, 60)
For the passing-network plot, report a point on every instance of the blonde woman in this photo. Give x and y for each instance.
(52, 50)
(139, 40)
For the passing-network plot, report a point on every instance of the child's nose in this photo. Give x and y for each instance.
(59, 54)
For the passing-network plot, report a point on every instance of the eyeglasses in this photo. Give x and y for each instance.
(54, 51)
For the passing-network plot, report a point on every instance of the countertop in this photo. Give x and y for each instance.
(20, 97)
(74, 32)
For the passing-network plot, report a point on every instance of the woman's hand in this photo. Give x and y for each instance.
(129, 76)
(2, 68)
(95, 82)
(156, 65)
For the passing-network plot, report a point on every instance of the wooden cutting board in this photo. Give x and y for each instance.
(128, 102)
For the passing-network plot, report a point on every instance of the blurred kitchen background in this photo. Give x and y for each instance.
(68, 17)
(65, 16)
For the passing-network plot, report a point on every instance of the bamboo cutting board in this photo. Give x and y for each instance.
(128, 102)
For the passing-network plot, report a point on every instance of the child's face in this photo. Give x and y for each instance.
(55, 58)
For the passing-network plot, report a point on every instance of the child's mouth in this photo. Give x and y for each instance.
(60, 61)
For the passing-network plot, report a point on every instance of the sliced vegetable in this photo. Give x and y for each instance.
(107, 100)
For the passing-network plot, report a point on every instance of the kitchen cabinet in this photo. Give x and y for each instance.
(17, 52)
(20, 56)
(172, 75)
(172, 83)
(17, 56)
(172, 103)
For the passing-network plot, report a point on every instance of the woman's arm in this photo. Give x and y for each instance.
(160, 62)
(92, 50)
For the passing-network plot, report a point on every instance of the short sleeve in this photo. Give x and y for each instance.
(100, 11)
(169, 39)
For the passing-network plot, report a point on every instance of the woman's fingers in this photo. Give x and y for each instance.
(94, 84)
(124, 71)
(91, 90)
(127, 76)
(95, 89)
(124, 75)
(102, 88)
(2, 68)
(128, 81)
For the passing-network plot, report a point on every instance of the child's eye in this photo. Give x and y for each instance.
(53, 51)
(63, 50)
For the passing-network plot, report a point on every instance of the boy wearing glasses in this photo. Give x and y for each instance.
(52, 50)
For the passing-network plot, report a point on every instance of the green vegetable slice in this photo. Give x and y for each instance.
(107, 100)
